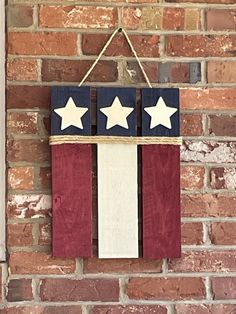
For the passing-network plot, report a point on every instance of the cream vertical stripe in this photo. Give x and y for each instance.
(117, 201)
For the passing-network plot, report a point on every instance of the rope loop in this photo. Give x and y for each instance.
(118, 30)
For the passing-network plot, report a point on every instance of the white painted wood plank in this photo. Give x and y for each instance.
(2, 133)
(117, 201)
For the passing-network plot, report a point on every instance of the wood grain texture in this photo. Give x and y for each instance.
(105, 98)
(117, 201)
(161, 201)
(72, 200)
(82, 98)
(150, 97)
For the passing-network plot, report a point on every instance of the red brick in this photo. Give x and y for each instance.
(78, 16)
(133, 73)
(57, 44)
(28, 97)
(223, 233)
(142, 18)
(191, 124)
(39, 263)
(132, 18)
(203, 1)
(192, 233)
(145, 45)
(22, 122)
(45, 177)
(205, 309)
(127, 1)
(173, 19)
(79, 290)
(192, 177)
(208, 205)
(29, 206)
(128, 309)
(208, 261)
(221, 72)
(179, 72)
(28, 150)
(221, 19)
(212, 99)
(222, 125)
(21, 178)
(45, 234)
(19, 290)
(166, 288)
(60, 309)
(19, 234)
(208, 151)
(217, 180)
(192, 19)
(22, 70)
(223, 178)
(74, 71)
(95, 265)
(200, 46)
(224, 288)
(146, 18)
(19, 16)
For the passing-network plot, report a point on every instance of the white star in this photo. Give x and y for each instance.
(71, 115)
(160, 114)
(117, 114)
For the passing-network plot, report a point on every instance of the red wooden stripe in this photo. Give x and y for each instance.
(161, 201)
(72, 200)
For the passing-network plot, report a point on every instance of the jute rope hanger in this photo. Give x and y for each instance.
(118, 30)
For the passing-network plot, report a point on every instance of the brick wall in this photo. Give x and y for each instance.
(190, 44)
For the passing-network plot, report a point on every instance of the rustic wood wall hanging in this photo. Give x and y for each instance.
(117, 142)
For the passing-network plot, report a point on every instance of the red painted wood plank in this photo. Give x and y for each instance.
(161, 201)
(72, 200)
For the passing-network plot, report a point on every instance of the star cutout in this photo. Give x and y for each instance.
(117, 114)
(71, 115)
(160, 114)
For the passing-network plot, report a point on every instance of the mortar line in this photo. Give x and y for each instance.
(101, 31)
(125, 277)
(116, 83)
(122, 4)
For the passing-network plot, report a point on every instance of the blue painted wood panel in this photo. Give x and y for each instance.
(59, 98)
(105, 98)
(150, 97)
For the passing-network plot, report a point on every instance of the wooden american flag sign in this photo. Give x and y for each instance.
(138, 172)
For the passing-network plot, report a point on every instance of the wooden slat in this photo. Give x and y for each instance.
(72, 200)
(150, 97)
(161, 201)
(82, 98)
(117, 175)
(105, 98)
(117, 201)
(161, 174)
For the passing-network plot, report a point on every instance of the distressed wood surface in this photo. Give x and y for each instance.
(150, 98)
(81, 96)
(161, 201)
(72, 200)
(117, 201)
(105, 100)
